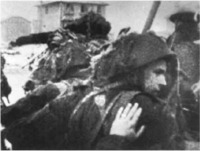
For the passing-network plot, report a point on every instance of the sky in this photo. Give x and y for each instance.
(119, 13)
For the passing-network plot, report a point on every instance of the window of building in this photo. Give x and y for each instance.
(69, 8)
(46, 10)
(84, 8)
(99, 9)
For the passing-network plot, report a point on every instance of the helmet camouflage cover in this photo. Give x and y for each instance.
(131, 52)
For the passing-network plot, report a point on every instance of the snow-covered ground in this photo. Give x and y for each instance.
(16, 58)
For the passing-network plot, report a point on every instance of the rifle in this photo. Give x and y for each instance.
(151, 16)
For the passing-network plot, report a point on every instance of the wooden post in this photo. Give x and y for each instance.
(151, 16)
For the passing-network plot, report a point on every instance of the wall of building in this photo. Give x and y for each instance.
(49, 17)
(35, 26)
(39, 18)
(103, 11)
(77, 8)
(90, 7)
(14, 27)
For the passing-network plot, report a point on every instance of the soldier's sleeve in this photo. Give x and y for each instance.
(29, 104)
(44, 129)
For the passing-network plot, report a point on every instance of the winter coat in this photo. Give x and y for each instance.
(44, 129)
(56, 126)
(182, 43)
(80, 121)
(29, 104)
(161, 131)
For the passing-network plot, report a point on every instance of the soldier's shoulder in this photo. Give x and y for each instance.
(145, 100)
(137, 96)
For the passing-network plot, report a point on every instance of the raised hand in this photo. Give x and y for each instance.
(125, 122)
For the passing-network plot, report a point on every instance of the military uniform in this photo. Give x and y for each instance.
(82, 119)
(182, 43)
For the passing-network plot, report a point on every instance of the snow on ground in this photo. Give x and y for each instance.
(16, 58)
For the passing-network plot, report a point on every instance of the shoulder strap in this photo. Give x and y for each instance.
(106, 112)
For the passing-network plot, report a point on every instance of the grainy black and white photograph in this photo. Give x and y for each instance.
(100, 75)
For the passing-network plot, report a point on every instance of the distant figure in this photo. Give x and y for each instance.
(3, 62)
(5, 88)
(186, 27)
(182, 43)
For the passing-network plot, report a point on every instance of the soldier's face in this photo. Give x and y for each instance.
(155, 77)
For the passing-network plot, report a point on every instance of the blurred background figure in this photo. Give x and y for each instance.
(183, 43)
(5, 87)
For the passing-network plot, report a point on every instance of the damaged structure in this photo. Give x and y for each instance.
(63, 12)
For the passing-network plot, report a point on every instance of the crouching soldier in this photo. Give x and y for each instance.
(134, 69)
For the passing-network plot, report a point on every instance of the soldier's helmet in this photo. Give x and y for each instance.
(186, 31)
(186, 26)
(130, 53)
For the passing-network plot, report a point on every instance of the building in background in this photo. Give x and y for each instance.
(14, 27)
(52, 15)
(35, 26)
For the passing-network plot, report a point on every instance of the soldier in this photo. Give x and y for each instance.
(139, 69)
(66, 62)
(182, 43)
(5, 87)
(134, 69)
